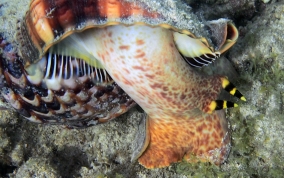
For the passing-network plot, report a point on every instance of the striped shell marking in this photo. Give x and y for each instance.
(48, 22)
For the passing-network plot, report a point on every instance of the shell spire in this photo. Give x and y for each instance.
(64, 91)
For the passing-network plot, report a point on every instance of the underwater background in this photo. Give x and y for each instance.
(255, 64)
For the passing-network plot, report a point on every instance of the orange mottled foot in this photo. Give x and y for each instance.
(203, 135)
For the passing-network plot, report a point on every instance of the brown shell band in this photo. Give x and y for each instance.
(48, 21)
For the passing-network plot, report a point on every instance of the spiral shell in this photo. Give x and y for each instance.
(48, 85)
(84, 62)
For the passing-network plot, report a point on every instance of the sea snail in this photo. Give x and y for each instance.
(85, 62)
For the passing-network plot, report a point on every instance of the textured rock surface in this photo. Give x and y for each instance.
(259, 59)
(31, 150)
(234, 9)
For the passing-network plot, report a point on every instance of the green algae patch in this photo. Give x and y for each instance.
(199, 169)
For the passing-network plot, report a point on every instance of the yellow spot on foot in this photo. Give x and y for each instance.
(243, 98)
(225, 82)
(212, 107)
(233, 91)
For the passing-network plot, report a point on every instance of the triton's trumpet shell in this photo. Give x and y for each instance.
(75, 56)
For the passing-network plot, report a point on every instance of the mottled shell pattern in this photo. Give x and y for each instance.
(53, 87)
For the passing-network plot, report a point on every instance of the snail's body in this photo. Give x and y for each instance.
(148, 60)
(148, 67)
